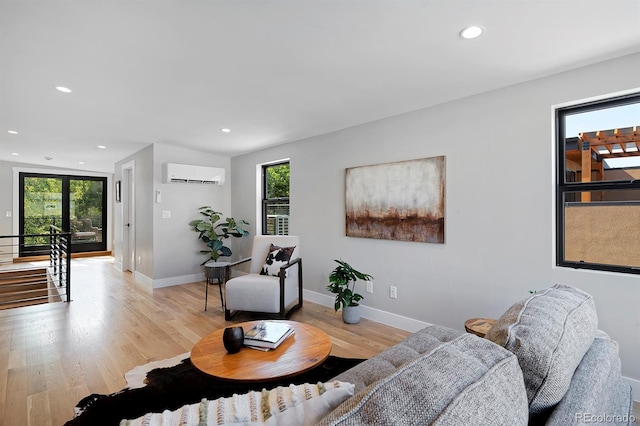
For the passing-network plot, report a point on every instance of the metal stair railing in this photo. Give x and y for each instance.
(33, 280)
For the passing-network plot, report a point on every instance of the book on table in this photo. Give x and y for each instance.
(267, 334)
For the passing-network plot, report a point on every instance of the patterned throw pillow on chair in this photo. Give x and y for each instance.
(277, 257)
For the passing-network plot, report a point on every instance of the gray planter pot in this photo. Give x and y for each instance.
(351, 314)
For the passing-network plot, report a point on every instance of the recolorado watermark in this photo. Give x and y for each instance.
(604, 418)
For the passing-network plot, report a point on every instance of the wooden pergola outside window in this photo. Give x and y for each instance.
(598, 186)
(591, 148)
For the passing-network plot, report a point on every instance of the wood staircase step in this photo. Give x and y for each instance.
(23, 287)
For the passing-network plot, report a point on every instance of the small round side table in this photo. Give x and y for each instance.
(215, 271)
(478, 326)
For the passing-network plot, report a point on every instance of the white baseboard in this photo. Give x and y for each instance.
(168, 282)
(118, 265)
(141, 278)
(383, 317)
(184, 279)
(635, 387)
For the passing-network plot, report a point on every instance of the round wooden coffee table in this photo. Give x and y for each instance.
(306, 348)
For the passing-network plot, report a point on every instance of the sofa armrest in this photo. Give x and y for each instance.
(597, 389)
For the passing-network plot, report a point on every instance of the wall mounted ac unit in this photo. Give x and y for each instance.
(184, 173)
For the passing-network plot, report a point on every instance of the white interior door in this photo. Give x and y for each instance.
(128, 219)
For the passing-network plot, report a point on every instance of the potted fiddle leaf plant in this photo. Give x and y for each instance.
(342, 281)
(213, 231)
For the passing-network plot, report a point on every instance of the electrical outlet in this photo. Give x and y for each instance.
(369, 287)
(393, 292)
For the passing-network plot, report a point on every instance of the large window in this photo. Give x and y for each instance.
(73, 203)
(275, 199)
(598, 190)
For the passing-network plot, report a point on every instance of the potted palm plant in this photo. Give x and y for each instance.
(213, 230)
(342, 281)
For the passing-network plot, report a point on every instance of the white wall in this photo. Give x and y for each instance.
(167, 249)
(499, 206)
(143, 222)
(6, 197)
(176, 246)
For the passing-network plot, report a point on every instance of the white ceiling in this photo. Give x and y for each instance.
(273, 71)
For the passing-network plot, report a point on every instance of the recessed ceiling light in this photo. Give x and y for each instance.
(102, 147)
(225, 130)
(471, 32)
(14, 153)
(63, 89)
(48, 158)
(80, 162)
(13, 132)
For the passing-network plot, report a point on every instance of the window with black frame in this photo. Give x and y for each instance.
(275, 199)
(598, 185)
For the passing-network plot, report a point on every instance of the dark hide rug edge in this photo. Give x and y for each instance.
(171, 388)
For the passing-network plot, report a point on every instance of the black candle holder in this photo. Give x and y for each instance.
(233, 339)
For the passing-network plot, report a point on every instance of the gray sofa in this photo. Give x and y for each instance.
(543, 362)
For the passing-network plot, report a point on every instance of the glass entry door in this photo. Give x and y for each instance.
(77, 204)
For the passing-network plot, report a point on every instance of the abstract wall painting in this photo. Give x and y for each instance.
(397, 201)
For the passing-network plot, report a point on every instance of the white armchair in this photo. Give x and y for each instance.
(280, 291)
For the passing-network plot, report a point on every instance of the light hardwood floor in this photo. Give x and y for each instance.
(51, 356)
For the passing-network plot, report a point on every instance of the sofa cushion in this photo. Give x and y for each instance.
(549, 332)
(389, 360)
(303, 404)
(467, 380)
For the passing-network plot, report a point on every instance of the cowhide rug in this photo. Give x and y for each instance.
(168, 388)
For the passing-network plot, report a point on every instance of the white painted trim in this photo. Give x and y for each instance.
(554, 185)
(68, 172)
(635, 387)
(601, 97)
(383, 317)
(129, 169)
(141, 278)
(184, 279)
(117, 264)
(16, 202)
(258, 221)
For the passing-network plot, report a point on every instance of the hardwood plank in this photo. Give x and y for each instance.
(15, 410)
(56, 354)
(38, 409)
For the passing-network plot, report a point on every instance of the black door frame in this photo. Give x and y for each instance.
(82, 247)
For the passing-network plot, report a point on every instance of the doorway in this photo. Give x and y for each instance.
(77, 204)
(127, 213)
